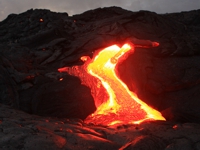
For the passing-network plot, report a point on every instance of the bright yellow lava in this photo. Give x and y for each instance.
(123, 106)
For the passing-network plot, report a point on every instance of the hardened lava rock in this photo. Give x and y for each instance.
(34, 44)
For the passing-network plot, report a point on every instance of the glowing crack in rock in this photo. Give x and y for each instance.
(121, 105)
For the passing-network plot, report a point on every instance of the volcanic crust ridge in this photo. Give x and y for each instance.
(36, 99)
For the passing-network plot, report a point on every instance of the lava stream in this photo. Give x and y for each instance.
(122, 106)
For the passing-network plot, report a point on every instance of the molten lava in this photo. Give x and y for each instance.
(122, 106)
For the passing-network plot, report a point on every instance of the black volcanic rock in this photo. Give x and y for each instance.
(19, 130)
(34, 44)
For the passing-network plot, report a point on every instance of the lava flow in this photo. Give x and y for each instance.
(122, 106)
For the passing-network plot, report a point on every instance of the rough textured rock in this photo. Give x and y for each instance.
(19, 130)
(34, 44)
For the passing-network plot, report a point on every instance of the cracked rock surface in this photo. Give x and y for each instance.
(34, 44)
(19, 130)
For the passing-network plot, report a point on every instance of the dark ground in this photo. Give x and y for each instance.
(21, 131)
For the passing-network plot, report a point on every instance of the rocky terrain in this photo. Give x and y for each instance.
(39, 105)
(19, 130)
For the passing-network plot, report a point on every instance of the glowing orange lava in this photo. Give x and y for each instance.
(122, 105)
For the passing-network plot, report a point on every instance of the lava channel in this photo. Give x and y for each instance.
(122, 106)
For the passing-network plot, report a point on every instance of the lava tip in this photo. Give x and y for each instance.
(155, 44)
(84, 58)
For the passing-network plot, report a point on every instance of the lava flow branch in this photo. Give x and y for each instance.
(121, 105)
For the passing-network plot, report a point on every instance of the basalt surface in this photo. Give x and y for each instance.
(22, 131)
(34, 44)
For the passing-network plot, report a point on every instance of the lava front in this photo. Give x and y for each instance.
(122, 106)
